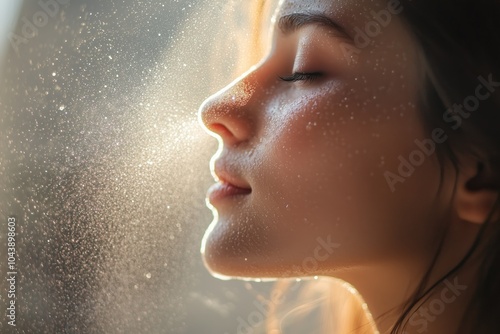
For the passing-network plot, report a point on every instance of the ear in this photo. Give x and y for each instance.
(477, 191)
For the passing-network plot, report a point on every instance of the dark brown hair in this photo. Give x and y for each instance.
(460, 43)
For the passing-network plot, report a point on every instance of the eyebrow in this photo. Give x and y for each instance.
(291, 22)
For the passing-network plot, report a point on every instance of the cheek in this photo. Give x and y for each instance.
(325, 167)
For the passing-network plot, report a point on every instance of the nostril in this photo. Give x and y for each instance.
(221, 130)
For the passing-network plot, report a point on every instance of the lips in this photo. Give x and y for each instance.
(229, 185)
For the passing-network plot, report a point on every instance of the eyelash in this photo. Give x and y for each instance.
(301, 76)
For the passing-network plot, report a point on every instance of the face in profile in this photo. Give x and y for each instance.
(307, 138)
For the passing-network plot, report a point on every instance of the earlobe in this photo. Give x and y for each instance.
(476, 193)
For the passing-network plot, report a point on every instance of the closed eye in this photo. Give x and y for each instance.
(301, 76)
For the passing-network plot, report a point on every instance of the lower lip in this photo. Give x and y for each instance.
(222, 190)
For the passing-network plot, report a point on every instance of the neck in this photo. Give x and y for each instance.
(388, 288)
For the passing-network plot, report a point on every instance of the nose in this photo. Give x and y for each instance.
(230, 113)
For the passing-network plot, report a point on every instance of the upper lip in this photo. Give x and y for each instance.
(225, 175)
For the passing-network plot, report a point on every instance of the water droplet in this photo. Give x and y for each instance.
(148, 275)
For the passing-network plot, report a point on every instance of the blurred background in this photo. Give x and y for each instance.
(104, 166)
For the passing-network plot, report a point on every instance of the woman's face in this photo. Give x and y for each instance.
(313, 154)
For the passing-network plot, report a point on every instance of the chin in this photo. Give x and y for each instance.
(224, 264)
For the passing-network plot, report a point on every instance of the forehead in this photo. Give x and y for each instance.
(376, 20)
(344, 10)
